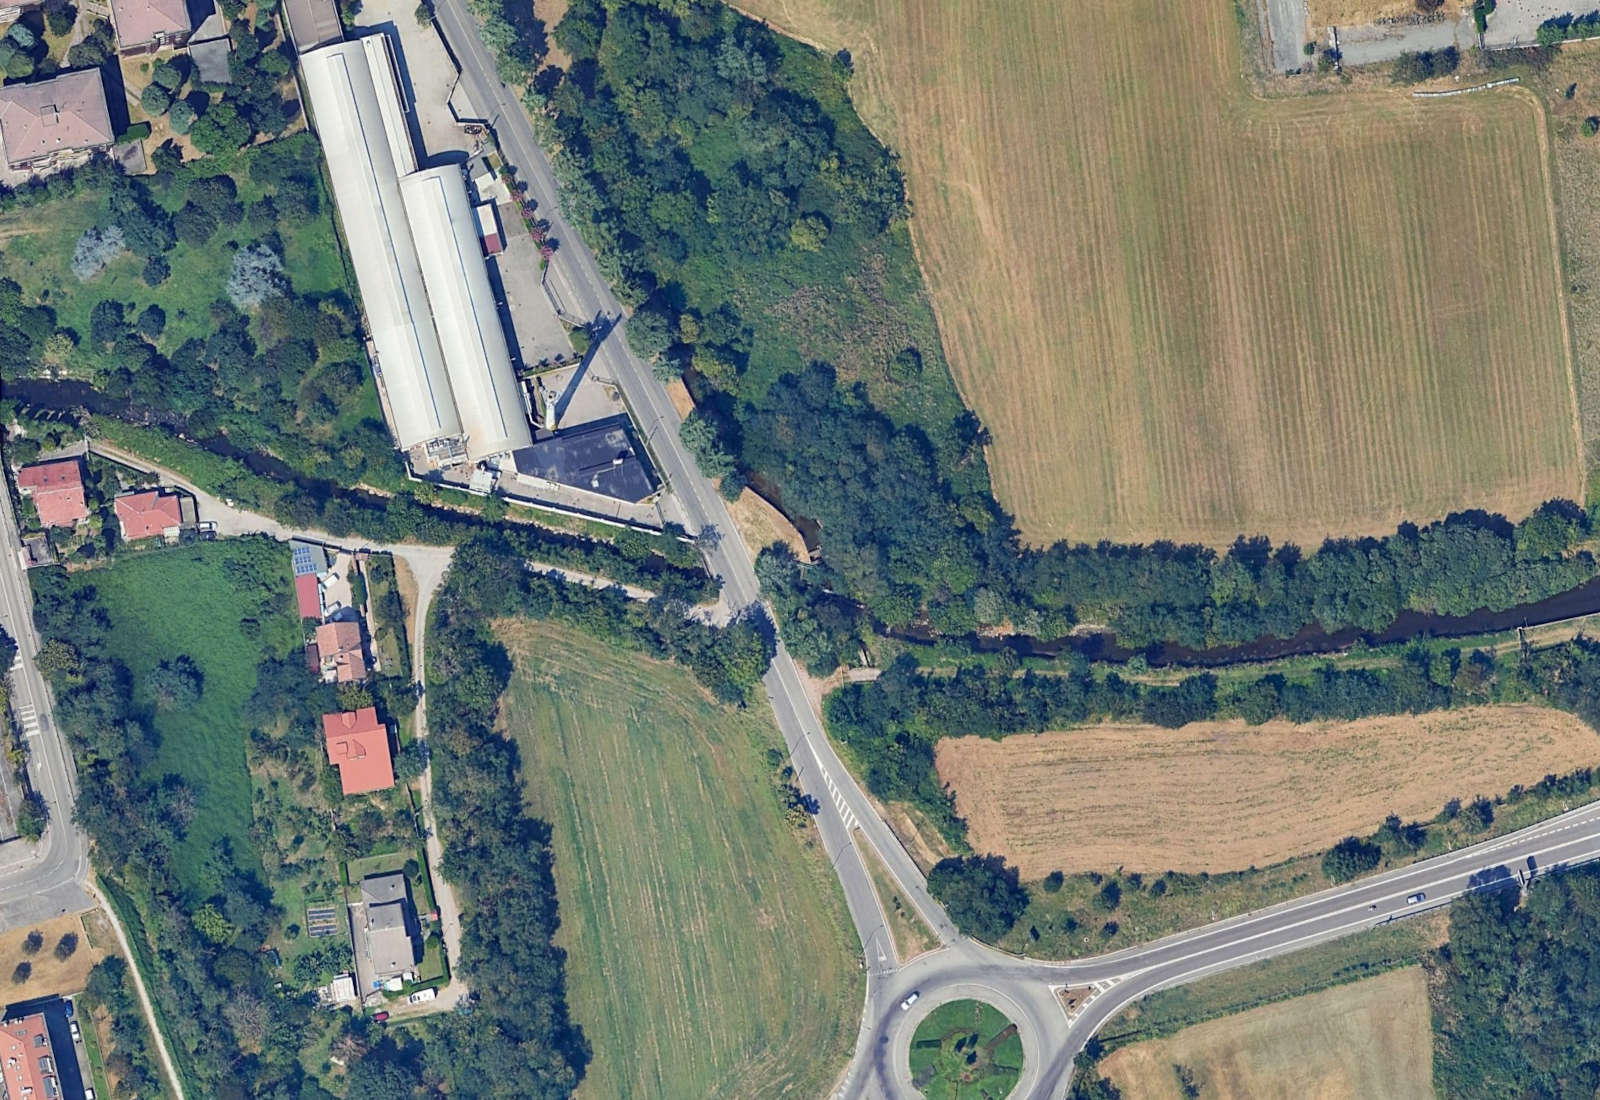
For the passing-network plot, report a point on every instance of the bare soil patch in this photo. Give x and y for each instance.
(1367, 1039)
(1222, 796)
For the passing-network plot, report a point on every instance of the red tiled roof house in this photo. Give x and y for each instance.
(52, 119)
(358, 745)
(56, 489)
(339, 652)
(27, 1064)
(308, 596)
(150, 24)
(148, 514)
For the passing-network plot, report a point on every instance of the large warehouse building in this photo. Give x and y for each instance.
(441, 355)
(464, 312)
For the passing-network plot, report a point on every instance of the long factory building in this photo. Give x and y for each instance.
(441, 352)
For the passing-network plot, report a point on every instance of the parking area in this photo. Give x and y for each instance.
(1516, 22)
(427, 76)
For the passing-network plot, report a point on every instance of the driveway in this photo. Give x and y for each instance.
(1371, 45)
(1286, 25)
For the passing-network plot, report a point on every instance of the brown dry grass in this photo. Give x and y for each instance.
(1354, 13)
(1184, 311)
(1577, 171)
(50, 975)
(761, 525)
(1360, 1041)
(1220, 796)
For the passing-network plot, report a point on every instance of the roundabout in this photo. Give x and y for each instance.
(999, 1052)
(965, 1050)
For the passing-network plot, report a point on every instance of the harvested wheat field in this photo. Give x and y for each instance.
(1187, 312)
(1368, 1039)
(1221, 796)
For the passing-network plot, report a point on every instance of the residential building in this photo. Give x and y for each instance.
(309, 561)
(147, 25)
(56, 489)
(358, 745)
(389, 929)
(49, 121)
(27, 1062)
(340, 655)
(149, 513)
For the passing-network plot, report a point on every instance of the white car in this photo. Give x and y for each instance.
(1414, 898)
(422, 995)
(905, 1005)
(76, 1032)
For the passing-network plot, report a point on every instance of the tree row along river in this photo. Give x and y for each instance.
(1096, 645)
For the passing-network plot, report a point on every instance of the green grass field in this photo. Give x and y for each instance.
(38, 246)
(966, 1050)
(192, 601)
(709, 950)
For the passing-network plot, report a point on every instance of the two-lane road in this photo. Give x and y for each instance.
(42, 880)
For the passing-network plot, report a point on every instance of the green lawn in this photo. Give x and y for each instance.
(38, 246)
(709, 950)
(195, 601)
(966, 1050)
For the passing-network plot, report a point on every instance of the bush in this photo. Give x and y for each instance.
(1591, 126)
(66, 946)
(1350, 857)
(1413, 68)
(32, 944)
(59, 18)
(1052, 882)
(156, 270)
(22, 973)
(137, 132)
(95, 249)
(257, 275)
(155, 99)
(181, 116)
(981, 894)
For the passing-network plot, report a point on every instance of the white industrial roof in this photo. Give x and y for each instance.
(464, 313)
(356, 107)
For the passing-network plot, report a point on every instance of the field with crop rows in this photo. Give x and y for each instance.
(1222, 796)
(709, 953)
(1187, 312)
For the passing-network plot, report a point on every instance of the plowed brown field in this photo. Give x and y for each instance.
(1184, 311)
(1222, 796)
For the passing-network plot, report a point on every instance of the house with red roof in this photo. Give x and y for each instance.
(358, 745)
(340, 654)
(56, 489)
(149, 513)
(27, 1063)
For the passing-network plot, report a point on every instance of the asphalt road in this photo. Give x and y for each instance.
(583, 292)
(1027, 990)
(42, 880)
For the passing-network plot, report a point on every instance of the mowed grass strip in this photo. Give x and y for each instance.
(1222, 796)
(709, 950)
(1367, 1039)
(1185, 312)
